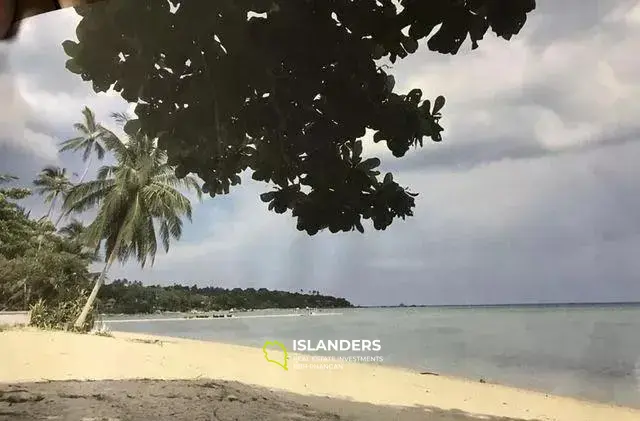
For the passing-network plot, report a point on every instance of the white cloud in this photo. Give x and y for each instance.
(581, 88)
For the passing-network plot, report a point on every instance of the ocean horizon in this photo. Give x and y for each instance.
(584, 350)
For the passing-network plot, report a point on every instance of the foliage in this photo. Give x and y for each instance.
(76, 235)
(53, 275)
(18, 233)
(38, 266)
(90, 139)
(123, 296)
(52, 183)
(136, 198)
(91, 133)
(285, 88)
(61, 314)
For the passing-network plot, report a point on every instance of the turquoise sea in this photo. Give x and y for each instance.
(584, 351)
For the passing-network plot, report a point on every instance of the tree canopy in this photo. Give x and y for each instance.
(123, 296)
(38, 268)
(283, 88)
(90, 140)
(137, 198)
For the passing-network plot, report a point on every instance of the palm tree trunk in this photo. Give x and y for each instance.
(84, 174)
(53, 203)
(99, 282)
(62, 215)
(96, 288)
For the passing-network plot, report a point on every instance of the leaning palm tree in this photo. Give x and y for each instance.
(91, 139)
(135, 199)
(52, 183)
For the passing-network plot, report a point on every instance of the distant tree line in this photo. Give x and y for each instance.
(130, 297)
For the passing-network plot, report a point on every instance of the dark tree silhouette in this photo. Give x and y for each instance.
(285, 88)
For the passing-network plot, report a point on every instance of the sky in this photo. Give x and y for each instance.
(533, 195)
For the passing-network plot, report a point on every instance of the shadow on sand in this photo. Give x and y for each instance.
(214, 400)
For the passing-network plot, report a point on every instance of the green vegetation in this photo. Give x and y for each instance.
(136, 199)
(90, 140)
(123, 296)
(139, 202)
(40, 269)
(52, 183)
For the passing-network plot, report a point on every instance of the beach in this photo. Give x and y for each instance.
(227, 376)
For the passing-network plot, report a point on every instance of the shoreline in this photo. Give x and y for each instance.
(225, 317)
(37, 356)
(413, 371)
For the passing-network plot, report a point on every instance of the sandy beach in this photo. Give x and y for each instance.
(236, 382)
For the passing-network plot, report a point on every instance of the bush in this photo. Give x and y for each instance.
(40, 269)
(61, 315)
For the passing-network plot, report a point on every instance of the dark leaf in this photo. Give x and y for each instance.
(439, 103)
(73, 66)
(369, 164)
(70, 48)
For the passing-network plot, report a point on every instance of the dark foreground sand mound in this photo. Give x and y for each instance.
(156, 400)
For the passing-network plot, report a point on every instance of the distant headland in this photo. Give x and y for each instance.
(132, 297)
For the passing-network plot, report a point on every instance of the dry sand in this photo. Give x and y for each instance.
(31, 356)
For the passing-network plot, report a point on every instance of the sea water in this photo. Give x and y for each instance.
(590, 352)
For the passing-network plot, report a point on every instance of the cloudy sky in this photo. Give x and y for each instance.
(532, 197)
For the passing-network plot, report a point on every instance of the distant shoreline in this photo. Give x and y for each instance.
(234, 317)
(512, 305)
(199, 314)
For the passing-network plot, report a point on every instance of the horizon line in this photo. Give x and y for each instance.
(558, 303)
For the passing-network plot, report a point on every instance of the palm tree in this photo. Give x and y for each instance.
(5, 178)
(73, 230)
(76, 233)
(52, 182)
(91, 136)
(135, 198)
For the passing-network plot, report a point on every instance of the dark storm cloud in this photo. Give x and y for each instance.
(575, 245)
(467, 155)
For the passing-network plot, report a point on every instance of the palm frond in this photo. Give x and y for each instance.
(90, 119)
(82, 128)
(5, 178)
(100, 150)
(87, 195)
(106, 171)
(52, 182)
(72, 144)
(121, 118)
(73, 229)
(139, 199)
(87, 151)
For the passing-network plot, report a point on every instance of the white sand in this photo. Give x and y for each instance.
(32, 355)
